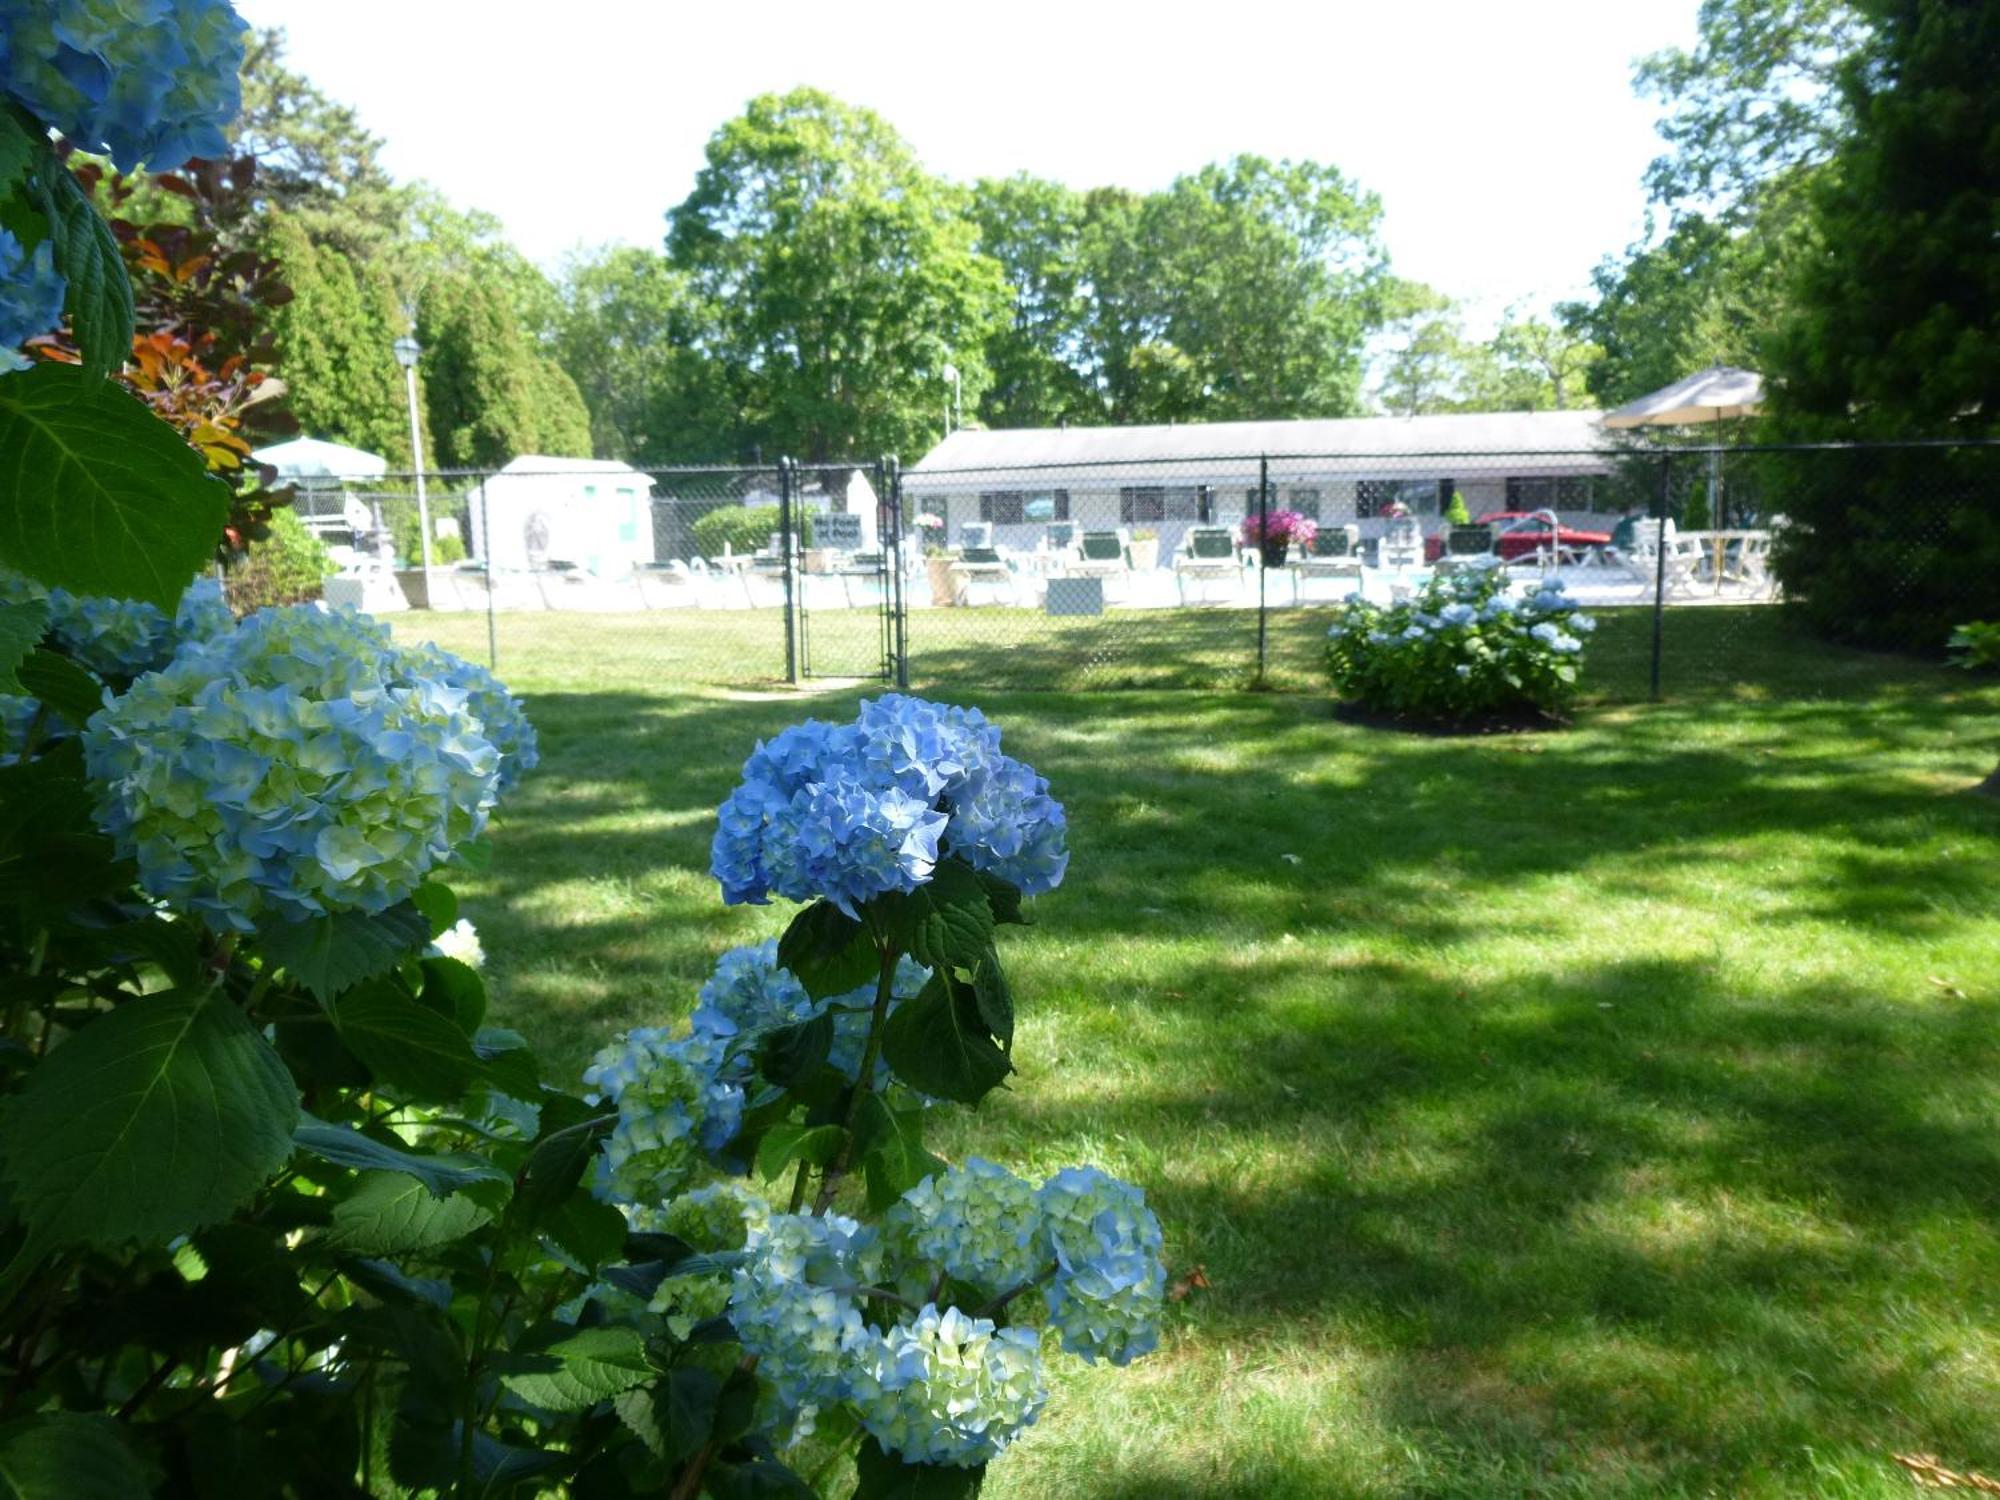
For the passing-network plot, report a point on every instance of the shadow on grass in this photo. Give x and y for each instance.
(1672, 1247)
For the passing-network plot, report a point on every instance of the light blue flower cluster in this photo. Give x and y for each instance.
(673, 1106)
(939, 1385)
(502, 715)
(851, 811)
(977, 1223)
(750, 993)
(294, 767)
(148, 82)
(945, 1388)
(31, 297)
(120, 638)
(794, 1303)
(1110, 1282)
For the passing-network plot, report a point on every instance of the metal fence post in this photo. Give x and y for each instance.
(1263, 530)
(486, 556)
(785, 497)
(901, 621)
(1660, 568)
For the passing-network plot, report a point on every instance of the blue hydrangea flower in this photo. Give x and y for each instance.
(977, 1223)
(147, 82)
(749, 992)
(1546, 633)
(673, 1107)
(1110, 1282)
(849, 812)
(794, 1305)
(500, 714)
(944, 1388)
(203, 612)
(1459, 613)
(31, 295)
(292, 767)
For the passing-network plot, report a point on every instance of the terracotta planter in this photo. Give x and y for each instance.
(943, 586)
(1145, 552)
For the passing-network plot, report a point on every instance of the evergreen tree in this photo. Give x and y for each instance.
(334, 343)
(489, 395)
(1896, 334)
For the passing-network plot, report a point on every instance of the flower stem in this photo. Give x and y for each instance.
(864, 1080)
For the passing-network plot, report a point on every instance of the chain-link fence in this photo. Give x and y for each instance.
(1202, 572)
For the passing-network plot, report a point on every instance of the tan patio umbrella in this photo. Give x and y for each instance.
(1719, 392)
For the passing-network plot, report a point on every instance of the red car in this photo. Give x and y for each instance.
(1522, 533)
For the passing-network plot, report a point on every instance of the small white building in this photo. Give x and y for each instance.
(593, 514)
(1336, 470)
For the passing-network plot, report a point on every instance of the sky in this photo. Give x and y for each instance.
(1502, 136)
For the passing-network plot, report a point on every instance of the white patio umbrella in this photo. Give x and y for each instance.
(315, 458)
(1714, 394)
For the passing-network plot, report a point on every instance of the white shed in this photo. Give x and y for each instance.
(595, 514)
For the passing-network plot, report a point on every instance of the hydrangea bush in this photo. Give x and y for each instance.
(279, 1210)
(1462, 651)
(927, 1329)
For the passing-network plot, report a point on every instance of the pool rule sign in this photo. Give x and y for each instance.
(837, 531)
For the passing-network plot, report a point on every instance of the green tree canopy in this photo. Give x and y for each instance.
(489, 394)
(1894, 332)
(632, 334)
(334, 347)
(843, 276)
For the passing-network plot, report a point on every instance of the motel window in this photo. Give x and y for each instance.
(1421, 497)
(1139, 505)
(1305, 502)
(1013, 507)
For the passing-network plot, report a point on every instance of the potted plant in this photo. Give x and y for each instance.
(1273, 534)
(1145, 550)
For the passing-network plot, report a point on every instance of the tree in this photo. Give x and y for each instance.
(488, 395)
(633, 335)
(1039, 360)
(317, 164)
(1751, 115)
(1895, 333)
(1427, 363)
(334, 343)
(1755, 105)
(1544, 366)
(845, 278)
(1267, 276)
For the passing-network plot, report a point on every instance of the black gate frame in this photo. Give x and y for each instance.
(885, 476)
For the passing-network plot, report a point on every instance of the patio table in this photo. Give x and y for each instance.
(1715, 546)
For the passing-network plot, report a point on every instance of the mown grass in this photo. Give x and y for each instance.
(1601, 1113)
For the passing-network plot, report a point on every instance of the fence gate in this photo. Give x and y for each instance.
(844, 575)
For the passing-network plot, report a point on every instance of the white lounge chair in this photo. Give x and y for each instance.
(1206, 554)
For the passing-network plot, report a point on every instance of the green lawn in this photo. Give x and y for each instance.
(1605, 1113)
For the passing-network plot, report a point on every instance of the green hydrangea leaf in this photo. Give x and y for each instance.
(890, 1144)
(63, 686)
(97, 494)
(939, 1044)
(675, 1417)
(99, 296)
(345, 1147)
(391, 1213)
(947, 921)
(22, 623)
(68, 1456)
(574, 1374)
(828, 951)
(406, 1043)
(163, 1116)
(438, 903)
(786, 1143)
(18, 147)
(330, 954)
(454, 990)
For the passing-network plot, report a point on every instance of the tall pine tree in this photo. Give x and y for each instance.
(1896, 334)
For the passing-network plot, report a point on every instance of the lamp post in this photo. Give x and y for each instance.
(951, 407)
(408, 350)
